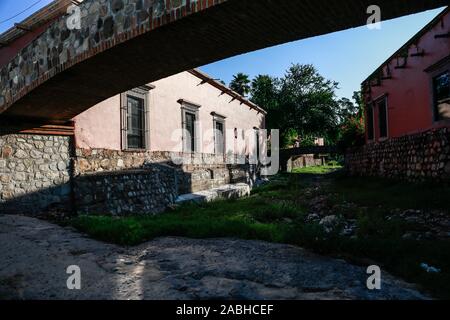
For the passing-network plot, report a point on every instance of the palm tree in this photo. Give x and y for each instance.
(241, 84)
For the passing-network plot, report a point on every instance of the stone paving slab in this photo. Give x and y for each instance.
(35, 255)
(229, 191)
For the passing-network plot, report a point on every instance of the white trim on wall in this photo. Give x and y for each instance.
(217, 118)
(191, 108)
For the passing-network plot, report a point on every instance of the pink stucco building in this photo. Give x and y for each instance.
(187, 112)
(180, 139)
(409, 93)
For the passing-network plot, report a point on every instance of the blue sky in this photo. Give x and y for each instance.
(10, 8)
(347, 57)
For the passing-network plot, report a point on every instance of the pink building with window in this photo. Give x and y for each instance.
(410, 92)
(118, 157)
(407, 102)
(188, 112)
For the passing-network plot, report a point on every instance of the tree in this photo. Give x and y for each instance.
(347, 109)
(240, 84)
(303, 104)
(265, 90)
(265, 93)
(358, 98)
(308, 103)
(352, 131)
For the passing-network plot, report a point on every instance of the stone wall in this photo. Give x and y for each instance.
(304, 161)
(99, 160)
(418, 157)
(202, 171)
(34, 173)
(212, 176)
(104, 23)
(39, 173)
(146, 191)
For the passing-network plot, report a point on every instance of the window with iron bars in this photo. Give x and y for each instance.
(134, 119)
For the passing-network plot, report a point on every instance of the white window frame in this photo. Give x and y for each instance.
(192, 108)
(217, 118)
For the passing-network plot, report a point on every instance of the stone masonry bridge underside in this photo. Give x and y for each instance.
(126, 43)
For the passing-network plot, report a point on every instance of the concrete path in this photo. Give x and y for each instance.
(228, 191)
(35, 254)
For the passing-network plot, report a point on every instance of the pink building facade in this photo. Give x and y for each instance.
(407, 102)
(409, 93)
(188, 112)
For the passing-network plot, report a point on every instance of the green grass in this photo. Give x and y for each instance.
(374, 192)
(318, 169)
(275, 213)
(251, 218)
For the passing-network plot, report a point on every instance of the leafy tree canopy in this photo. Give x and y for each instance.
(303, 104)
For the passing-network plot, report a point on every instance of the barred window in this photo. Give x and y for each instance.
(219, 137)
(190, 119)
(189, 126)
(135, 122)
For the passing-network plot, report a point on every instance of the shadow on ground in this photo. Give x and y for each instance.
(35, 255)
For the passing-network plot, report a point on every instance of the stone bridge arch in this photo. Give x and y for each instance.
(125, 43)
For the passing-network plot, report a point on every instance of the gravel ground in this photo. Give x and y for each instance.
(35, 255)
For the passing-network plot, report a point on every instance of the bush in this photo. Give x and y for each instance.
(352, 133)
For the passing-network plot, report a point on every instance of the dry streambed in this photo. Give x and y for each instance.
(35, 255)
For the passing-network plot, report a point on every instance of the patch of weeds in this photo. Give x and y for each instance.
(378, 192)
(334, 164)
(317, 170)
(277, 212)
(271, 187)
(374, 224)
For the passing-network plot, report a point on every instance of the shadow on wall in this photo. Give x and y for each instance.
(35, 172)
(45, 200)
(41, 173)
(139, 191)
(147, 190)
(41, 185)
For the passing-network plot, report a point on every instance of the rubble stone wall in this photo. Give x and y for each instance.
(41, 173)
(200, 171)
(418, 157)
(304, 161)
(103, 24)
(34, 173)
(146, 191)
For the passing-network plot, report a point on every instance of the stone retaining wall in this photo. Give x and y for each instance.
(304, 161)
(418, 157)
(39, 173)
(118, 182)
(126, 192)
(201, 172)
(99, 160)
(34, 173)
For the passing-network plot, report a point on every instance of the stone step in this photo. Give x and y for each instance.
(228, 191)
